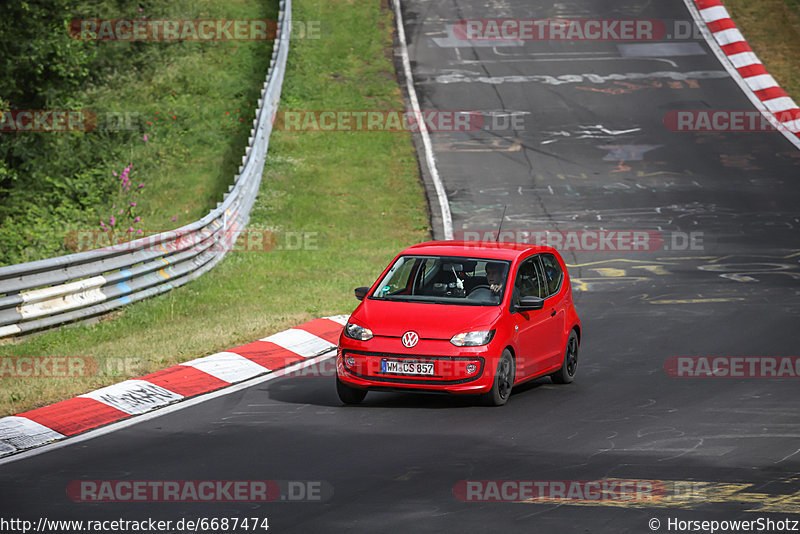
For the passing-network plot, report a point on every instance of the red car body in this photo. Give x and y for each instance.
(537, 339)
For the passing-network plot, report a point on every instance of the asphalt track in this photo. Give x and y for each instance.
(392, 463)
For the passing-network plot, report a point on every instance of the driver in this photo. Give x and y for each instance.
(494, 275)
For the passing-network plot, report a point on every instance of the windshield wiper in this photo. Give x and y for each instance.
(404, 298)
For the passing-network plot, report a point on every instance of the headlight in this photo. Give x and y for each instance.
(472, 339)
(353, 331)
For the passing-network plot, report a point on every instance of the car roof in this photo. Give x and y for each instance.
(499, 250)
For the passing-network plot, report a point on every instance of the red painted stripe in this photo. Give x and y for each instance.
(748, 71)
(752, 70)
(736, 48)
(185, 380)
(268, 354)
(788, 115)
(75, 415)
(720, 25)
(770, 93)
(703, 4)
(324, 328)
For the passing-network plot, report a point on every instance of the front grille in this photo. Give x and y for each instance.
(404, 379)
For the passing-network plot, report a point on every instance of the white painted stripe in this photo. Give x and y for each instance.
(125, 423)
(341, 319)
(21, 433)
(725, 62)
(300, 342)
(726, 37)
(444, 205)
(134, 396)
(227, 366)
(762, 81)
(777, 105)
(60, 304)
(744, 59)
(63, 289)
(9, 330)
(792, 126)
(715, 13)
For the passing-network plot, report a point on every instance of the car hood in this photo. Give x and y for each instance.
(430, 321)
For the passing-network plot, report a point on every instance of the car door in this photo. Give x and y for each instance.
(534, 329)
(556, 306)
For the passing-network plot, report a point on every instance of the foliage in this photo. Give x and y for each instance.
(159, 106)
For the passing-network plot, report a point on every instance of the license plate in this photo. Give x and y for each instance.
(407, 368)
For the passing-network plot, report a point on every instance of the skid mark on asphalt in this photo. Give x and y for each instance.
(624, 88)
(495, 144)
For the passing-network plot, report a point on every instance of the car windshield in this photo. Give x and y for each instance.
(445, 280)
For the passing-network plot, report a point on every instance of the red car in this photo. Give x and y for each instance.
(463, 318)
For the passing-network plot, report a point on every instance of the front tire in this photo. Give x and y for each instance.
(503, 381)
(349, 395)
(566, 374)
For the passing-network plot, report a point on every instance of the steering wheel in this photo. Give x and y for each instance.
(480, 287)
(475, 292)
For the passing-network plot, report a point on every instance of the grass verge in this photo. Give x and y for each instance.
(357, 196)
(772, 29)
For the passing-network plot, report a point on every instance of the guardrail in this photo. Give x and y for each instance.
(48, 293)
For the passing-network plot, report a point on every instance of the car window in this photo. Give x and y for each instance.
(445, 280)
(401, 273)
(529, 280)
(552, 273)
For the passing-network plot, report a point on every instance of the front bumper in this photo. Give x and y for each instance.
(465, 370)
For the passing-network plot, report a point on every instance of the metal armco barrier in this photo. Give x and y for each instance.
(48, 293)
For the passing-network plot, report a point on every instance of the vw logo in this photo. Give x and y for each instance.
(410, 339)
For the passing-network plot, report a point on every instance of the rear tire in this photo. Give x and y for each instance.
(566, 374)
(503, 381)
(349, 395)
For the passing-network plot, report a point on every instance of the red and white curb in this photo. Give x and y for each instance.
(747, 70)
(147, 393)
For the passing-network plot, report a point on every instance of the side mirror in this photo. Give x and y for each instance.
(530, 304)
(361, 292)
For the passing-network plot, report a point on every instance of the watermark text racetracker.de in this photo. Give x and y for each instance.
(575, 30)
(733, 366)
(616, 490)
(47, 366)
(592, 240)
(208, 491)
(68, 121)
(249, 240)
(188, 29)
(745, 121)
(333, 120)
(40, 120)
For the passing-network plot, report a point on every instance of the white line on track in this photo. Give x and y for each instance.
(113, 427)
(447, 218)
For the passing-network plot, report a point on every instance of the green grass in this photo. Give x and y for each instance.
(194, 100)
(357, 193)
(772, 29)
